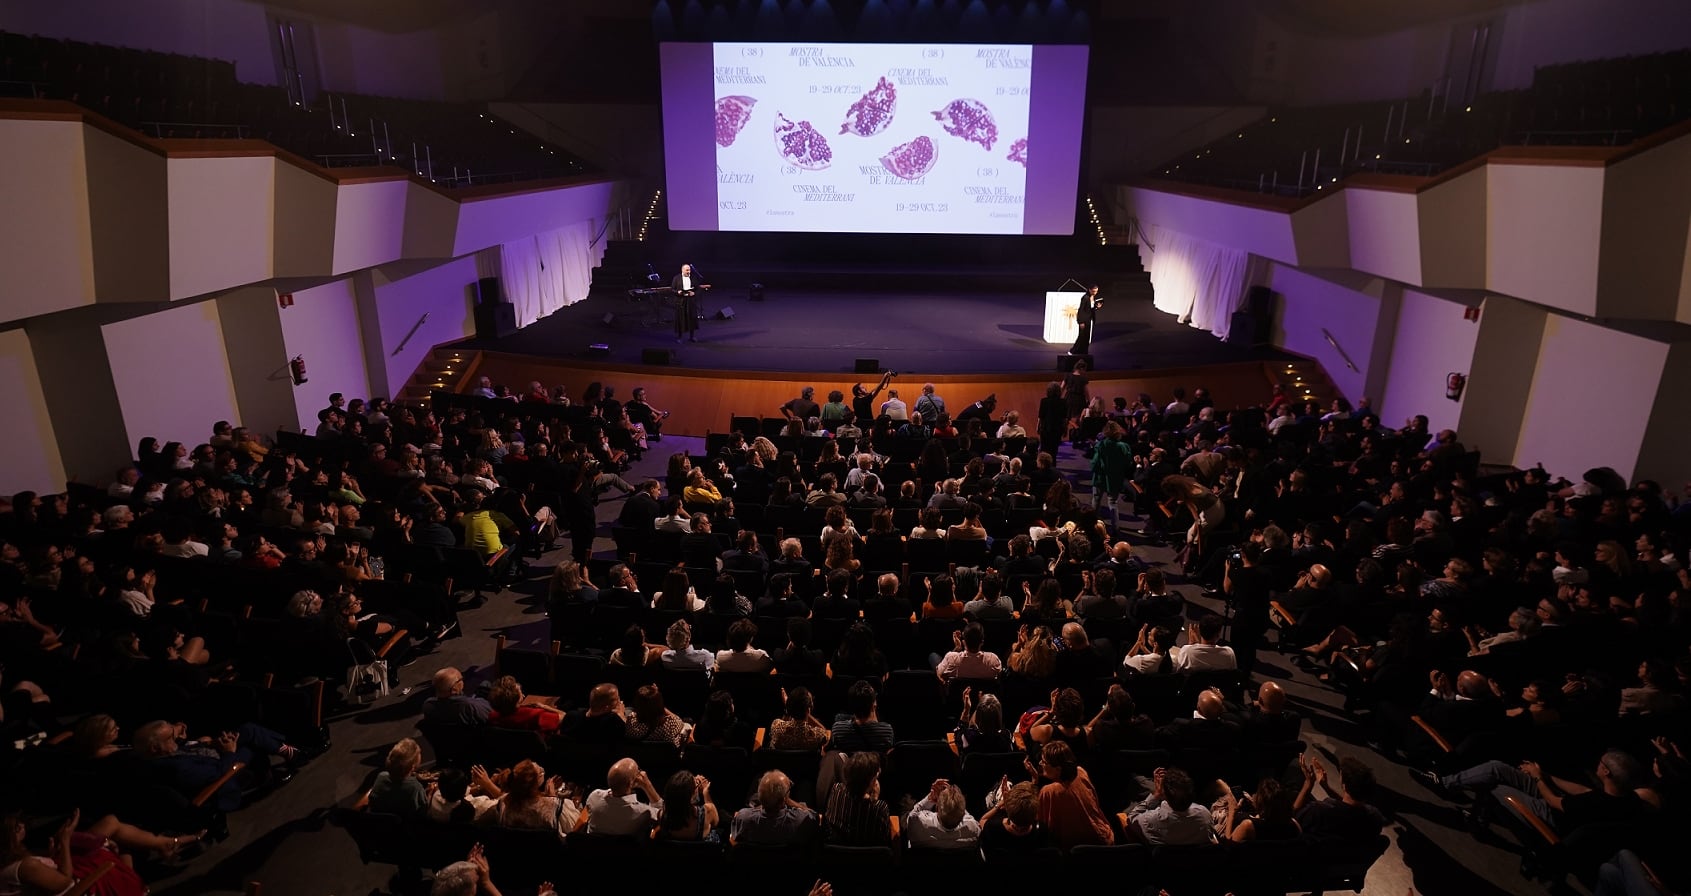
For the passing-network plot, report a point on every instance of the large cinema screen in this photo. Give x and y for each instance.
(873, 138)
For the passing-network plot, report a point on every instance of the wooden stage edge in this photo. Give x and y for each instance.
(702, 401)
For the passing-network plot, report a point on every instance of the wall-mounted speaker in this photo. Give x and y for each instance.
(495, 320)
(659, 357)
(867, 365)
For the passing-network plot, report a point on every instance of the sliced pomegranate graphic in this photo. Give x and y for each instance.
(969, 119)
(732, 113)
(911, 160)
(871, 114)
(1019, 152)
(802, 145)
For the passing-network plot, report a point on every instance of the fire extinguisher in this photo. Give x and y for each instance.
(297, 368)
(1453, 386)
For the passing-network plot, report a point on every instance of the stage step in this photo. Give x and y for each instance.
(446, 367)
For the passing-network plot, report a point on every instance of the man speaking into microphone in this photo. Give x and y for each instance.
(686, 286)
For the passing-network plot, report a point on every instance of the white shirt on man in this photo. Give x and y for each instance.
(619, 815)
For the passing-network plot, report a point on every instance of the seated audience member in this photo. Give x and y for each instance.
(798, 657)
(616, 810)
(1011, 827)
(652, 722)
(689, 814)
(461, 797)
(1081, 659)
(799, 729)
(1346, 816)
(990, 601)
(858, 729)
(602, 722)
(719, 726)
(1564, 805)
(682, 656)
(1098, 598)
(1149, 653)
(1270, 817)
(511, 709)
(676, 594)
(1205, 729)
(941, 820)
(1174, 819)
(1203, 651)
(1068, 803)
(450, 705)
(532, 801)
(858, 657)
(855, 814)
(1119, 725)
(981, 728)
(967, 659)
(741, 656)
(1266, 720)
(190, 766)
(774, 818)
(396, 790)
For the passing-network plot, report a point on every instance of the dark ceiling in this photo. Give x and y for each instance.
(1364, 17)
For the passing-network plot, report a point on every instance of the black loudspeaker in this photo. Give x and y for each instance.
(487, 291)
(661, 357)
(609, 318)
(1242, 328)
(867, 365)
(495, 320)
(727, 313)
(1065, 363)
(756, 292)
(1260, 301)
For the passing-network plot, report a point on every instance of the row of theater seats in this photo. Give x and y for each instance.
(174, 96)
(524, 858)
(1600, 102)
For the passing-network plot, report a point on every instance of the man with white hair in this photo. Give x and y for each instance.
(941, 820)
(471, 877)
(774, 818)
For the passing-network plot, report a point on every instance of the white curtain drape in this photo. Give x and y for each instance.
(547, 271)
(1200, 283)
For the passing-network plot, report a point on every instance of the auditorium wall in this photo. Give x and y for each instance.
(46, 253)
(403, 293)
(1383, 234)
(1592, 396)
(1645, 220)
(171, 373)
(1542, 233)
(1354, 309)
(322, 326)
(1500, 379)
(221, 223)
(32, 451)
(1431, 340)
(1666, 455)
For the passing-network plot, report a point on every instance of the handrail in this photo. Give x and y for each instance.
(157, 127)
(412, 332)
(1340, 349)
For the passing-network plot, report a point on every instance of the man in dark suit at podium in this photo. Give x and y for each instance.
(686, 285)
(1083, 318)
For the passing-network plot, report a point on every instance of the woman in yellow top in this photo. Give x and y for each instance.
(483, 527)
(700, 490)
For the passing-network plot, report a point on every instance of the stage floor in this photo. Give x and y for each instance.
(914, 332)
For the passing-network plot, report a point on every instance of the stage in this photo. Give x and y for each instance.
(925, 333)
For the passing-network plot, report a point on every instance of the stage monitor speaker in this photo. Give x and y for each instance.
(867, 365)
(727, 313)
(1065, 363)
(660, 357)
(609, 318)
(495, 320)
(487, 291)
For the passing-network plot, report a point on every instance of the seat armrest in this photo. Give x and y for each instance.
(1533, 821)
(211, 789)
(1426, 726)
(87, 883)
(393, 639)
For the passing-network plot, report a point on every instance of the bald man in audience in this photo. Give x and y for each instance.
(450, 705)
(616, 810)
(602, 722)
(1205, 729)
(1266, 720)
